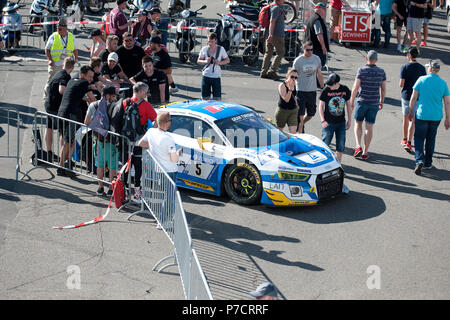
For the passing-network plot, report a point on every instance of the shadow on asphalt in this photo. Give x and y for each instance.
(47, 192)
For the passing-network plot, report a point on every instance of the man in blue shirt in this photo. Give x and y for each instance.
(429, 91)
(385, 7)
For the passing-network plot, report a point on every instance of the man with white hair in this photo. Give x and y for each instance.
(162, 145)
(428, 92)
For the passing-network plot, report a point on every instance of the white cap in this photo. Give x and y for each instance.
(113, 56)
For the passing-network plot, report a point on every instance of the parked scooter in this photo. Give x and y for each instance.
(185, 35)
(12, 25)
(177, 6)
(229, 33)
(256, 46)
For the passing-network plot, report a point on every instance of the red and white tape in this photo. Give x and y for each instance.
(126, 167)
(183, 27)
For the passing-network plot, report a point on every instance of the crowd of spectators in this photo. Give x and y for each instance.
(133, 63)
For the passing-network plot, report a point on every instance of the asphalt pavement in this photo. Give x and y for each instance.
(387, 239)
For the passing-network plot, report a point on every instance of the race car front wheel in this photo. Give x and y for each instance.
(243, 183)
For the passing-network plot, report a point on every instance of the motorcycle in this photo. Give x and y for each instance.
(97, 6)
(250, 9)
(257, 45)
(12, 25)
(137, 5)
(177, 6)
(185, 34)
(75, 12)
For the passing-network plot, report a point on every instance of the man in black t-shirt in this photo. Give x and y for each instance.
(56, 88)
(416, 14)
(399, 8)
(130, 55)
(77, 91)
(333, 101)
(156, 80)
(112, 42)
(161, 61)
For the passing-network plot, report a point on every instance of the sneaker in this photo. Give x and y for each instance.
(173, 90)
(273, 75)
(137, 194)
(428, 167)
(264, 75)
(110, 193)
(423, 44)
(365, 156)
(408, 147)
(404, 142)
(414, 41)
(418, 169)
(358, 152)
(100, 191)
(405, 49)
(61, 172)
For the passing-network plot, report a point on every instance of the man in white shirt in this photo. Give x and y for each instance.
(162, 145)
(212, 57)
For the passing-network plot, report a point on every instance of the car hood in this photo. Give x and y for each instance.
(295, 151)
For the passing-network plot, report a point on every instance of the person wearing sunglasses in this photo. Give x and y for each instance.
(287, 110)
(308, 67)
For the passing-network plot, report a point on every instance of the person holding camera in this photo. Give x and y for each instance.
(212, 57)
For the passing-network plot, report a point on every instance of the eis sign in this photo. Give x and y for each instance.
(355, 26)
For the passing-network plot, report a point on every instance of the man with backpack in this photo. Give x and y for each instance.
(105, 152)
(212, 57)
(136, 114)
(271, 18)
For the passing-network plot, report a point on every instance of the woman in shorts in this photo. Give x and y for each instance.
(287, 110)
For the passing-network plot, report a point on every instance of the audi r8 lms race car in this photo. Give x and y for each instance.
(229, 148)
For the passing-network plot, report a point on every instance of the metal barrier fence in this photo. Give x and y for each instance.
(160, 196)
(10, 139)
(86, 152)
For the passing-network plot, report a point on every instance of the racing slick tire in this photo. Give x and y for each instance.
(243, 183)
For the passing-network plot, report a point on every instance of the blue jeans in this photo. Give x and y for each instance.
(425, 136)
(386, 26)
(339, 130)
(211, 84)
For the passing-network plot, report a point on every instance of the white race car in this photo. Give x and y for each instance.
(230, 148)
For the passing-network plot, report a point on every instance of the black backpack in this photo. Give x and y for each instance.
(131, 127)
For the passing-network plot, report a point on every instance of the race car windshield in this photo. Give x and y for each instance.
(249, 130)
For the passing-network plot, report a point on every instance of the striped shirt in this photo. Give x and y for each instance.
(371, 78)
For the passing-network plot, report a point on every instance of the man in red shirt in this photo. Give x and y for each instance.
(146, 113)
(336, 7)
(118, 23)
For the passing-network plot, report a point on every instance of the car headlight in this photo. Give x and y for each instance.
(293, 176)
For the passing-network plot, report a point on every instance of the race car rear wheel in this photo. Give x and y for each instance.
(243, 183)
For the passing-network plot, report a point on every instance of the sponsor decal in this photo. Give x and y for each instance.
(197, 185)
(213, 108)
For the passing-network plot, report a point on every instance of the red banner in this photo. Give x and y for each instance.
(355, 26)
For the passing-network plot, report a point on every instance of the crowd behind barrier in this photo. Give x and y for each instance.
(37, 39)
(10, 148)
